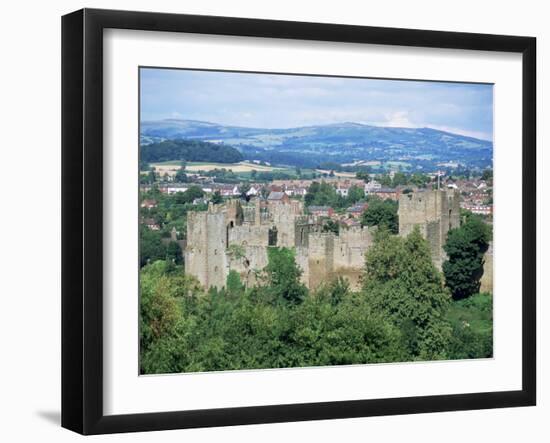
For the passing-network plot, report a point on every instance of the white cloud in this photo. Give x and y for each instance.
(476, 134)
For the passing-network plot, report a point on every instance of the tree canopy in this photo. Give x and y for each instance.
(284, 276)
(381, 213)
(465, 248)
(189, 150)
(402, 283)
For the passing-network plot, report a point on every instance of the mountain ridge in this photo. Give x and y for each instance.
(411, 148)
(336, 124)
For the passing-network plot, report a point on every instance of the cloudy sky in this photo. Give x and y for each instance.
(285, 101)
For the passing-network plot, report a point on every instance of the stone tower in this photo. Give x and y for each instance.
(434, 212)
(205, 256)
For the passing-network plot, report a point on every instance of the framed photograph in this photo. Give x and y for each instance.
(269, 221)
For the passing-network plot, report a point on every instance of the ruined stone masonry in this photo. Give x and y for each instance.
(234, 236)
(434, 212)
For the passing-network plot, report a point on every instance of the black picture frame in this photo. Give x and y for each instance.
(82, 218)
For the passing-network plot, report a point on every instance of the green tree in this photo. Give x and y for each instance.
(487, 175)
(472, 322)
(420, 180)
(465, 248)
(363, 175)
(151, 247)
(355, 194)
(151, 177)
(194, 192)
(243, 190)
(400, 178)
(168, 310)
(181, 176)
(234, 284)
(217, 198)
(284, 276)
(385, 180)
(323, 194)
(401, 282)
(330, 225)
(173, 253)
(381, 213)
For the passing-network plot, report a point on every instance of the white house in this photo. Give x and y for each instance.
(371, 186)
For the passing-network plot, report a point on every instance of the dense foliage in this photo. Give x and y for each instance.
(170, 214)
(402, 313)
(189, 150)
(465, 248)
(472, 323)
(183, 329)
(382, 213)
(402, 179)
(324, 194)
(402, 283)
(153, 247)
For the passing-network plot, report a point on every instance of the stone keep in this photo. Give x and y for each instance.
(434, 212)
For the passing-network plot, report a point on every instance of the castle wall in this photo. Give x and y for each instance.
(205, 256)
(302, 260)
(321, 258)
(487, 277)
(284, 217)
(432, 233)
(350, 248)
(196, 256)
(254, 260)
(434, 212)
(217, 259)
(249, 235)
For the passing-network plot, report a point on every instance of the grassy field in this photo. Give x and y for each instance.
(336, 173)
(472, 323)
(172, 167)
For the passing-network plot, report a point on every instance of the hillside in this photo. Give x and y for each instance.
(189, 150)
(412, 148)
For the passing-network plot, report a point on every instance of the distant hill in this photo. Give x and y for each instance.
(189, 150)
(343, 143)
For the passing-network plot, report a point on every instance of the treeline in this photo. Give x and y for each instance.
(403, 312)
(404, 179)
(324, 194)
(189, 150)
(338, 167)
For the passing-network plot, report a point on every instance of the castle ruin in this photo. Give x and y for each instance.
(435, 212)
(236, 237)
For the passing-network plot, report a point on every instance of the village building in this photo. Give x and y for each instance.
(278, 197)
(321, 211)
(151, 224)
(386, 193)
(371, 186)
(149, 203)
(357, 210)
